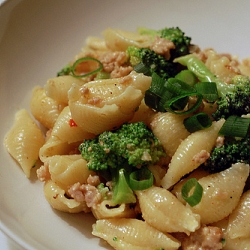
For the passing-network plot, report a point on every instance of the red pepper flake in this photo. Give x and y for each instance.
(72, 123)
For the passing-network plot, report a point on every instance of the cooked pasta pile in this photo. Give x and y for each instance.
(74, 107)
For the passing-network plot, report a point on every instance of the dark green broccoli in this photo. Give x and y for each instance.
(116, 154)
(176, 35)
(151, 61)
(65, 71)
(232, 151)
(236, 102)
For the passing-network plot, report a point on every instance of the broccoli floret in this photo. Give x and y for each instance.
(176, 35)
(236, 102)
(152, 61)
(65, 71)
(232, 151)
(115, 154)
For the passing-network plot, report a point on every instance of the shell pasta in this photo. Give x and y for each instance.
(172, 199)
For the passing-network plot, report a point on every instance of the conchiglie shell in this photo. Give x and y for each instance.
(186, 157)
(96, 43)
(45, 109)
(221, 193)
(163, 211)
(237, 244)
(124, 234)
(170, 130)
(66, 132)
(120, 40)
(57, 88)
(239, 219)
(107, 210)
(55, 196)
(24, 140)
(106, 104)
(66, 170)
(54, 146)
(232, 244)
(143, 114)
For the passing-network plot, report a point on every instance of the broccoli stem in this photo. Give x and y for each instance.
(195, 65)
(122, 193)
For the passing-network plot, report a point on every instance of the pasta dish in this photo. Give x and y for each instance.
(150, 134)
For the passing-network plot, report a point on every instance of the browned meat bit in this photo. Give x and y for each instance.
(93, 180)
(201, 157)
(115, 64)
(85, 192)
(205, 238)
(121, 71)
(162, 47)
(43, 173)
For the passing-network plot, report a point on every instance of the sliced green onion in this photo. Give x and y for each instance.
(171, 104)
(187, 76)
(141, 179)
(153, 101)
(197, 122)
(235, 126)
(83, 60)
(142, 68)
(208, 90)
(156, 93)
(177, 86)
(192, 192)
(157, 85)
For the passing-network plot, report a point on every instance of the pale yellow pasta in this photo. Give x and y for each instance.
(239, 219)
(65, 131)
(106, 104)
(158, 172)
(222, 66)
(64, 138)
(43, 108)
(119, 40)
(66, 170)
(163, 211)
(106, 210)
(240, 243)
(237, 244)
(245, 66)
(96, 43)
(143, 114)
(169, 129)
(124, 234)
(24, 140)
(57, 88)
(221, 193)
(55, 195)
(191, 153)
(54, 146)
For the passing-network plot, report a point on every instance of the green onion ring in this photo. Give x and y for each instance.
(83, 60)
(197, 122)
(194, 198)
(169, 104)
(141, 179)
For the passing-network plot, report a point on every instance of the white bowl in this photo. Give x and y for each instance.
(37, 38)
